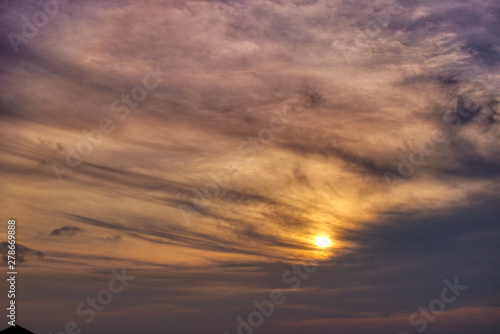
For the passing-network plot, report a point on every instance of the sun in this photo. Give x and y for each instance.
(323, 241)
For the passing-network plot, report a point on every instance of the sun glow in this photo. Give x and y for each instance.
(323, 241)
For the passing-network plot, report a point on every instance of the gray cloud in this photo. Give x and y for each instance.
(22, 253)
(66, 231)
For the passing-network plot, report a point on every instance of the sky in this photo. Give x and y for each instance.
(176, 161)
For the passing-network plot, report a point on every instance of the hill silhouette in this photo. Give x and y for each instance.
(15, 330)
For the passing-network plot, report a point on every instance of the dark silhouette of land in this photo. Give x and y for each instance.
(15, 330)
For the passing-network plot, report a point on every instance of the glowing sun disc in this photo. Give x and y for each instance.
(323, 242)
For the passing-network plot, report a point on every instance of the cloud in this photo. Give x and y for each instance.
(22, 253)
(115, 238)
(359, 102)
(66, 231)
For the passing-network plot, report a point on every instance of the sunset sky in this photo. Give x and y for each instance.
(204, 145)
